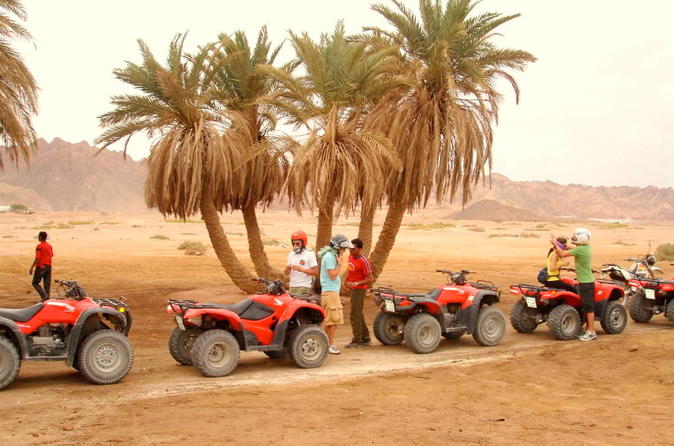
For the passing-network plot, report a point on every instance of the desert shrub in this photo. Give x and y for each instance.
(536, 229)
(159, 237)
(529, 235)
(499, 229)
(503, 235)
(136, 226)
(665, 251)
(192, 244)
(620, 242)
(430, 226)
(80, 222)
(173, 220)
(108, 223)
(476, 229)
(7, 236)
(273, 243)
(18, 207)
(614, 225)
(52, 225)
(97, 229)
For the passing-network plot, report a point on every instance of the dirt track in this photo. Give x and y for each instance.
(617, 390)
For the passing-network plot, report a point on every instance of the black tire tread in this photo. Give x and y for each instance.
(293, 346)
(174, 343)
(555, 321)
(8, 348)
(519, 319)
(379, 331)
(200, 357)
(605, 321)
(484, 313)
(638, 312)
(411, 328)
(90, 375)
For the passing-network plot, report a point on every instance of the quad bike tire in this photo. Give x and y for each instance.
(105, 357)
(215, 353)
(10, 362)
(640, 308)
(564, 322)
(670, 311)
(308, 346)
(422, 333)
(389, 328)
(276, 354)
(490, 326)
(519, 319)
(181, 342)
(454, 335)
(615, 318)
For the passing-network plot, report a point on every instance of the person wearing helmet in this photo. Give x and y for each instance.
(301, 265)
(334, 259)
(582, 254)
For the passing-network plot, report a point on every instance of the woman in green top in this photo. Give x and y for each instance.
(582, 255)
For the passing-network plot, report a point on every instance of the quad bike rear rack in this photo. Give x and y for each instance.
(185, 304)
(484, 285)
(534, 288)
(654, 283)
(107, 302)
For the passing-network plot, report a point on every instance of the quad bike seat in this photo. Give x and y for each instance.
(238, 308)
(21, 315)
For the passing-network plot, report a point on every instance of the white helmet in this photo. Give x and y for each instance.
(581, 236)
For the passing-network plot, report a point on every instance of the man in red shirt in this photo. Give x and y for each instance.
(358, 278)
(42, 265)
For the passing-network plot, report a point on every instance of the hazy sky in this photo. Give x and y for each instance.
(594, 109)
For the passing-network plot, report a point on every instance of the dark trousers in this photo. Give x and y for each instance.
(42, 274)
(560, 285)
(358, 326)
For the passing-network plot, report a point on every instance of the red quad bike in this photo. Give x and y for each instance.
(87, 333)
(451, 310)
(650, 297)
(210, 336)
(561, 308)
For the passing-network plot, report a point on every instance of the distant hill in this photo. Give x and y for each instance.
(74, 177)
(493, 210)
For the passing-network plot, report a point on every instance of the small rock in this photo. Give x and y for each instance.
(35, 434)
(634, 349)
(68, 428)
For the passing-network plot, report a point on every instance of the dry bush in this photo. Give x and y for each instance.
(620, 242)
(529, 235)
(665, 251)
(108, 223)
(159, 237)
(430, 226)
(503, 235)
(80, 222)
(476, 229)
(614, 225)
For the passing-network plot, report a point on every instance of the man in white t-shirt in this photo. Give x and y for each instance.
(301, 265)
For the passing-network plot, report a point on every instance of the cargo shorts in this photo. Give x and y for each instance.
(332, 305)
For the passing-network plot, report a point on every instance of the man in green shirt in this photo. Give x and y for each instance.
(582, 255)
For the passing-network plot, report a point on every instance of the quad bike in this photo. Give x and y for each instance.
(650, 297)
(450, 310)
(561, 308)
(89, 334)
(211, 336)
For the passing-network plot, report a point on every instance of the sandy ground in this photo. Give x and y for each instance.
(529, 389)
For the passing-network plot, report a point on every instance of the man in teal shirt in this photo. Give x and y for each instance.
(582, 254)
(334, 259)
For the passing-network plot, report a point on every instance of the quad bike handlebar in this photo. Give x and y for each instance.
(71, 289)
(274, 287)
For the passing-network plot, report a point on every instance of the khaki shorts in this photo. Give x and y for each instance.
(333, 308)
(300, 291)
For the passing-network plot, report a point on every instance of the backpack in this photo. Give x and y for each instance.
(543, 275)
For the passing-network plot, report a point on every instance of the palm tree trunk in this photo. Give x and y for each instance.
(324, 229)
(387, 236)
(255, 246)
(365, 227)
(236, 270)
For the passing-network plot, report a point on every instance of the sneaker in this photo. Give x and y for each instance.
(588, 336)
(333, 350)
(582, 332)
(365, 343)
(353, 345)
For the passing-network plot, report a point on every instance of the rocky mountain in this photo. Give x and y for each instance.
(75, 177)
(72, 177)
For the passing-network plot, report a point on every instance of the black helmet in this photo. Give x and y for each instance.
(338, 241)
(650, 259)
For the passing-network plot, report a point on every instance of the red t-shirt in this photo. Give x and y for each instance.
(359, 269)
(43, 254)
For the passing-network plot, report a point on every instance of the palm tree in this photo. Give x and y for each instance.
(18, 90)
(240, 86)
(442, 125)
(340, 164)
(197, 149)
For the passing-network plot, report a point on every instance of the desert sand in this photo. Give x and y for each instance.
(529, 389)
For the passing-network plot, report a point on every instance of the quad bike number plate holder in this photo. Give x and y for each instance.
(180, 323)
(531, 301)
(650, 294)
(389, 305)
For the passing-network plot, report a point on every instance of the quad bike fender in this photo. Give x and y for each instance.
(481, 297)
(300, 314)
(429, 306)
(219, 314)
(614, 293)
(15, 335)
(87, 322)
